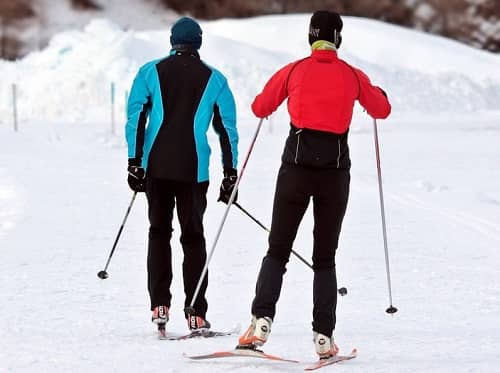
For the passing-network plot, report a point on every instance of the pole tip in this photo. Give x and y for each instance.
(102, 275)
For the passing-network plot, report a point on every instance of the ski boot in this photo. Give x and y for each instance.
(325, 347)
(197, 324)
(160, 318)
(256, 334)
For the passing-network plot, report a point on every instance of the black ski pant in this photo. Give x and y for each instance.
(191, 202)
(296, 185)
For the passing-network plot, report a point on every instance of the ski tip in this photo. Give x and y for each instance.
(332, 360)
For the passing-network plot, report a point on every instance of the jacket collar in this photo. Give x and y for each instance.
(184, 50)
(324, 54)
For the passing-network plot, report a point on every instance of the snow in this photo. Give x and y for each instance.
(63, 196)
(54, 16)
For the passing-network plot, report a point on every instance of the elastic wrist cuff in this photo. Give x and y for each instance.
(134, 162)
(230, 172)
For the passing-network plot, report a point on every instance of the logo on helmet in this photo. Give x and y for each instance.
(314, 31)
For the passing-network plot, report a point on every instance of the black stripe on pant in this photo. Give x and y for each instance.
(296, 185)
(191, 202)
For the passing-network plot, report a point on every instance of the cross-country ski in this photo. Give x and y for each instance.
(169, 336)
(238, 352)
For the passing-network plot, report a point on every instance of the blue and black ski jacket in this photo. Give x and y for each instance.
(171, 104)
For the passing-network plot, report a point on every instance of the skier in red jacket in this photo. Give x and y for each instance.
(321, 91)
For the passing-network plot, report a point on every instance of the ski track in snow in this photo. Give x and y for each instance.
(487, 228)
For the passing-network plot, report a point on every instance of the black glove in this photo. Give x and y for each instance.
(136, 176)
(227, 185)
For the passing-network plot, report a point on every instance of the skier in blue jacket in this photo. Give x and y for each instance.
(171, 104)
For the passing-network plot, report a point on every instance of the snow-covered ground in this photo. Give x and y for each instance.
(63, 194)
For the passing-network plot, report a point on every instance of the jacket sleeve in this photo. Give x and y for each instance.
(137, 115)
(224, 123)
(372, 98)
(274, 93)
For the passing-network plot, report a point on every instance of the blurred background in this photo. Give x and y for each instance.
(28, 25)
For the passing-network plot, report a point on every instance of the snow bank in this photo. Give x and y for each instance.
(71, 79)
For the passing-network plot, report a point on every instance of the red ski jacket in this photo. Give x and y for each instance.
(321, 91)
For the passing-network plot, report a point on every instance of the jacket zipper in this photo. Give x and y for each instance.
(297, 148)
(338, 157)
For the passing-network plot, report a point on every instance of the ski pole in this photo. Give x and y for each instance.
(342, 291)
(103, 274)
(190, 309)
(391, 308)
(268, 231)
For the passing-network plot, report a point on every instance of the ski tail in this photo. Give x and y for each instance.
(162, 331)
(204, 333)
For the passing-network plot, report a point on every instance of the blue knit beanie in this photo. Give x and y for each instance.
(186, 32)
